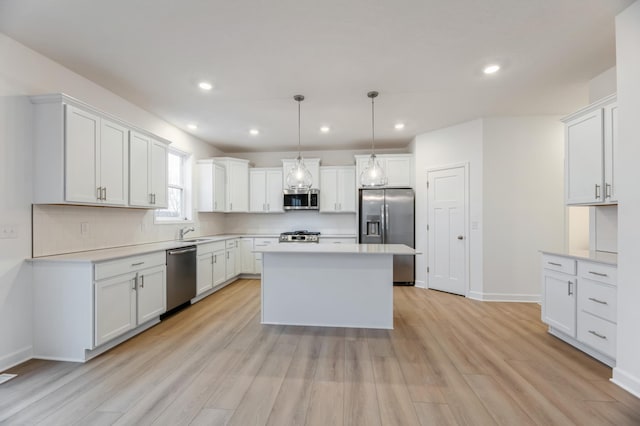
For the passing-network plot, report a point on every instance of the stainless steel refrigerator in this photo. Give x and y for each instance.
(387, 217)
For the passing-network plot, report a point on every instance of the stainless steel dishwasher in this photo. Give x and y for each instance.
(181, 276)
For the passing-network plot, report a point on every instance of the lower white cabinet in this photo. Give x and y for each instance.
(247, 258)
(211, 270)
(125, 301)
(579, 303)
(230, 258)
(261, 242)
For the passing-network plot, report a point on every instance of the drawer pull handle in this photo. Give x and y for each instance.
(554, 264)
(595, 333)
(602, 302)
(600, 274)
(137, 264)
(569, 292)
(597, 191)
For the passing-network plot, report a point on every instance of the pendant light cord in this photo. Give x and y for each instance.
(373, 127)
(299, 146)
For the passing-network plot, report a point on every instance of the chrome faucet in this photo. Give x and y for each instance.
(184, 231)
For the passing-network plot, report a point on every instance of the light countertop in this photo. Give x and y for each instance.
(400, 249)
(594, 256)
(102, 255)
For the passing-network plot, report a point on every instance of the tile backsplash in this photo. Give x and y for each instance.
(59, 229)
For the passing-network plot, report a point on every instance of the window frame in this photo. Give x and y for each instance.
(187, 194)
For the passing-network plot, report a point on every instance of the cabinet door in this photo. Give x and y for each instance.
(219, 264)
(559, 304)
(113, 162)
(204, 273)
(115, 307)
(237, 186)
(219, 195)
(328, 194)
(152, 293)
(246, 256)
(584, 164)
(257, 194)
(346, 190)
(230, 257)
(139, 147)
(398, 170)
(81, 143)
(273, 190)
(610, 152)
(158, 176)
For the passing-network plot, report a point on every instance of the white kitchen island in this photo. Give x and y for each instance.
(331, 285)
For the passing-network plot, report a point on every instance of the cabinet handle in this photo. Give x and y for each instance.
(215, 258)
(99, 193)
(554, 264)
(597, 191)
(154, 198)
(137, 264)
(340, 206)
(142, 281)
(135, 283)
(212, 257)
(602, 302)
(268, 207)
(595, 333)
(600, 274)
(569, 292)
(230, 206)
(150, 198)
(104, 193)
(607, 190)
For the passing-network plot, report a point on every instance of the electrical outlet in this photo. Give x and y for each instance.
(84, 228)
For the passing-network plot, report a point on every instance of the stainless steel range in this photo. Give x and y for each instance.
(299, 237)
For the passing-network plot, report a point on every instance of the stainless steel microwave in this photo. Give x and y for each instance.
(301, 199)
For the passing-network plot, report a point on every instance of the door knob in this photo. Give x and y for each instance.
(460, 237)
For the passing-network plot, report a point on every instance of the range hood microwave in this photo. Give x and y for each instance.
(301, 199)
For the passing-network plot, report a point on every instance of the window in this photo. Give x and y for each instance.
(179, 195)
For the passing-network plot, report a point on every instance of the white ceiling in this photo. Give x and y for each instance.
(424, 57)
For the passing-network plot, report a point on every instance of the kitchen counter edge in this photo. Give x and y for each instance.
(590, 255)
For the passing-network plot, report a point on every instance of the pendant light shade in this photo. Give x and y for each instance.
(299, 177)
(373, 175)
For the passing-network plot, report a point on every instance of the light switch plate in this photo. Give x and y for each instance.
(8, 231)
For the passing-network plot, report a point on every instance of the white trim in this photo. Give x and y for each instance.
(626, 381)
(504, 297)
(187, 190)
(605, 359)
(18, 357)
(467, 228)
(421, 284)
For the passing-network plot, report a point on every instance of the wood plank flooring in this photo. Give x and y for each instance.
(449, 361)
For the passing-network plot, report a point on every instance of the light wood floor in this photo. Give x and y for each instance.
(449, 360)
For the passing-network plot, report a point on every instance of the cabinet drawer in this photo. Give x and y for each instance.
(598, 333)
(210, 247)
(598, 272)
(261, 242)
(130, 264)
(559, 263)
(232, 243)
(597, 299)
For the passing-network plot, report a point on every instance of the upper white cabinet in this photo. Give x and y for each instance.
(147, 171)
(397, 167)
(83, 156)
(590, 154)
(211, 179)
(80, 154)
(313, 164)
(236, 183)
(265, 190)
(338, 194)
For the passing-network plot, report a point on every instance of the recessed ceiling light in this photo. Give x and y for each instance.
(192, 126)
(325, 129)
(399, 126)
(491, 69)
(205, 85)
(254, 132)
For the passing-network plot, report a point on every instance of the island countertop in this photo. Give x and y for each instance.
(365, 249)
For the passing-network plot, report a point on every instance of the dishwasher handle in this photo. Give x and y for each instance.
(181, 251)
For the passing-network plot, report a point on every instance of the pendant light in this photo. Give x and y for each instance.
(373, 175)
(299, 177)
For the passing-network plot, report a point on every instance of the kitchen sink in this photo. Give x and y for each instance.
(195, 240)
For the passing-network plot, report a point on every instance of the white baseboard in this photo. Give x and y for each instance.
(421, 284)
(626, 381)
(504, 297)
(18, 357)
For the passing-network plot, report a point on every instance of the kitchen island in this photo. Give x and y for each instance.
(331, 285)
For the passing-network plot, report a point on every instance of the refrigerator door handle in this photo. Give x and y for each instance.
(383, 221)
(386, 221)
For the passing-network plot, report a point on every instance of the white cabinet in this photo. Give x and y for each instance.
(147, 171)
(80, 155)
(265, 190)
(211, 186)
(211, 270)
(590, 154)
(397, 167)
(230, 258)
(337, 240)
(236, 185)
(257, 243)
(204, 272)
(128, 293)
(219, 265)
(247, 257)
(313, 164)
(338, 194)
(579, 303)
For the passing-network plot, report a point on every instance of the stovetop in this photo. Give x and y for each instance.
(302, 232)
(303, 236)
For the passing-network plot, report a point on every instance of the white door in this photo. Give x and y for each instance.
(610, 152)
(246, 256)
(257, 195)
(158, 177)
(230, 265)
(219, 263)
(559, 307)
(152, 293)
(139, 147)
(328, 195)
(115, 307)
(584, 164)
(274, 191)
(204, 273)
(447, 263)
(113, 162)
(347, 190)
(81, 141)
(219, 177)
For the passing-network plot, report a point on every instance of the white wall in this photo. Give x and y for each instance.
(523, 201)
(627, 371)
(25, 72)
(325, 223)
(452, 145)
(603, 85)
